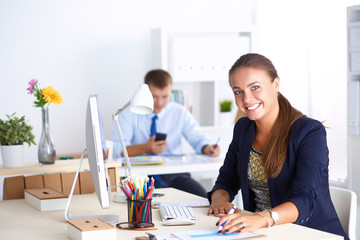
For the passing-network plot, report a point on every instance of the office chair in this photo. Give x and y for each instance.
(345, 203)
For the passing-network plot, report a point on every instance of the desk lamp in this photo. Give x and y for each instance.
(141, 103)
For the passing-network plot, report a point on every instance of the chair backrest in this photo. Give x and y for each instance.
(345, 203)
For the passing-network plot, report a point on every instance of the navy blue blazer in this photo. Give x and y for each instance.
(303, 179)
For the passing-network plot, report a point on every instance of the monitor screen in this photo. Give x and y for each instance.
(94, 143)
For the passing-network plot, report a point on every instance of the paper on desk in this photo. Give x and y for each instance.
(166, 237)
(209, 234)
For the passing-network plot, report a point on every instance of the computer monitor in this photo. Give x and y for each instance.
(94, 143)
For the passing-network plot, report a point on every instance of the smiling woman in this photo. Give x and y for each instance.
(278, 158)
(257, 95)
(255, 84)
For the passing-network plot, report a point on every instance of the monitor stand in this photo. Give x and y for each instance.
(69, 216)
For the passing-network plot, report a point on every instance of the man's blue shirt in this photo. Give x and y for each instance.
(174, 120)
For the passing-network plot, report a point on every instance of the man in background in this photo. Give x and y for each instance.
(175, 121)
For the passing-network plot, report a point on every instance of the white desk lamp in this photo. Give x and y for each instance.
(141, 103)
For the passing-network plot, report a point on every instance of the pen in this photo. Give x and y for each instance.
(217, 142)
(151, 236)
(216, 145)
(232, 210)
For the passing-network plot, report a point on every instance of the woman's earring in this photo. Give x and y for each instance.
(277, 93)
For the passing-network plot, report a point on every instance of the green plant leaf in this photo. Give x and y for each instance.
(15, 131)
(226, 105)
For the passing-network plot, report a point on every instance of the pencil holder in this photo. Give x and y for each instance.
(139, 211)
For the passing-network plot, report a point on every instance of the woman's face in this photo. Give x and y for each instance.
(255, 93)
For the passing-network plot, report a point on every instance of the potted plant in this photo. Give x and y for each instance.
(225, 105)
(14, 132)
(225, 117)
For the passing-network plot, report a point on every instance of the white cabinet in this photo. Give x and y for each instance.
(353, 53)
(199, 60)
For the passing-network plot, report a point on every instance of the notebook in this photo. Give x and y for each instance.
(145, 160)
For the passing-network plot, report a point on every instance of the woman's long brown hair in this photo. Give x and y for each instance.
(274, 154)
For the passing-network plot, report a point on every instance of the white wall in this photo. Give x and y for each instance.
(307, 42)
(106, 47)
(85, 47)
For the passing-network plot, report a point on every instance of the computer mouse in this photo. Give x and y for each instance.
(178, 222)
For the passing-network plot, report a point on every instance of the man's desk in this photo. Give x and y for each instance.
(188, 163)
(19, 220)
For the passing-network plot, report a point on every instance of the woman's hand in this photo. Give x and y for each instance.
(220, 203)
(220, 208)
(241, 222)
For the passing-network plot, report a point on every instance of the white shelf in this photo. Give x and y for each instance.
(353, 69)
(354, 24)
(199, 60)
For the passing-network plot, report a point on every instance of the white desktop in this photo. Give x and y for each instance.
(38, 225)
(96, 160)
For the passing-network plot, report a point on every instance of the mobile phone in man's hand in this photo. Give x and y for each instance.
(160, 136)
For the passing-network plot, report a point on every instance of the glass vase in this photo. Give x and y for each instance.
(46, 150)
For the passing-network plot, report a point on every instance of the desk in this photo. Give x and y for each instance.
(189, 163)
(19, 220)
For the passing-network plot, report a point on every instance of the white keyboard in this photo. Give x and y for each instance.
(170, 212)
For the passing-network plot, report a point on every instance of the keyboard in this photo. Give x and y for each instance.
(171, 212)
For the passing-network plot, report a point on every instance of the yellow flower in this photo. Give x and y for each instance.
(51, 95)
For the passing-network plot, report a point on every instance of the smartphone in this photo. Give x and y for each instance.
(160, 136)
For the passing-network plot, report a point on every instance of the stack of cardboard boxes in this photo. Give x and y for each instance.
(14, 187)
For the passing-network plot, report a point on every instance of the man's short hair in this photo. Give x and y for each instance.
(158, 78)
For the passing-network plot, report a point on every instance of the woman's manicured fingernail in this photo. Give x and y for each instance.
(226, 231)
(217, 224)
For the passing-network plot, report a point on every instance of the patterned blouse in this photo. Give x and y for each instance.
(258, 181)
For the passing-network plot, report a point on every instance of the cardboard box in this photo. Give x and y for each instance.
(86, 183)
(46, 199)
(34, 182)
(112, 176)
(67, 180)
(14, 187)
(53, 181)
(90, 229)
